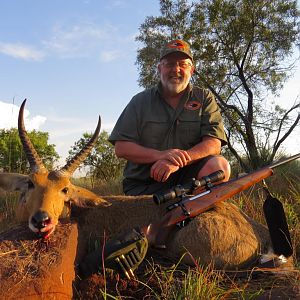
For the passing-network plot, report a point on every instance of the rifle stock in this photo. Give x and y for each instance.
(192, 206)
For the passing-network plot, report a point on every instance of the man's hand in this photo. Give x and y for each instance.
(171, 160)
(162, 169)
(177, 157)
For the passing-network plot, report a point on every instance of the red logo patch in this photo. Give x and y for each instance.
(176, 44)
(192, 105)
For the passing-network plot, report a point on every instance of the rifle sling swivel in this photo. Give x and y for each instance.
(181, 205)
(184, 222)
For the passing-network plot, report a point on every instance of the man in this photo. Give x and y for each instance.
(168, 134)
(172, 132)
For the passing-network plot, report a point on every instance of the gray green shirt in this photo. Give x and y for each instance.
(151, 122)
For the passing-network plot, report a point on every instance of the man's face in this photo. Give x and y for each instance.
(175, 72)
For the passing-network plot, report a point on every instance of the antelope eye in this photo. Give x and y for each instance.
(65, 190)
(30, 185)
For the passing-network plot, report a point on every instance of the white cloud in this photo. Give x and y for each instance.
(71, 129)
(115, 4)
(108, 56)
(83, 39)
(77, 40)
(9, 117)
(87, 39)
(21, 51)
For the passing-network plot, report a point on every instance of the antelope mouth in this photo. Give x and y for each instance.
(44, 230)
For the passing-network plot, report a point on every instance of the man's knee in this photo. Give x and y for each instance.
(216, 163)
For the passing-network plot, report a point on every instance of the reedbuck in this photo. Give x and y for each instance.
(43, 193)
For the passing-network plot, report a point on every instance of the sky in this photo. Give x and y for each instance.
(74, 60)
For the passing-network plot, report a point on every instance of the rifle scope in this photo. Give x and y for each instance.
(180, 190)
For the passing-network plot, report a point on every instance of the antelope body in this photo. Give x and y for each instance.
(224, 235)
(44, 194)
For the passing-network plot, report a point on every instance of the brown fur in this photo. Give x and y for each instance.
(224, 235)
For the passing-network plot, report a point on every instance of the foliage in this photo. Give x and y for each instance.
(100, 187)
(12, 156)
(102, 162)
(243, 51)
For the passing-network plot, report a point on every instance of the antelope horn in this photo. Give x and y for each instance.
(73, 164)
(35, 162)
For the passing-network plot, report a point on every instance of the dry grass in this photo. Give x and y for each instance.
(24, 258)
(8, 203)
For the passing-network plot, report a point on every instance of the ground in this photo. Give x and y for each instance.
(36, 268)
(33, 268)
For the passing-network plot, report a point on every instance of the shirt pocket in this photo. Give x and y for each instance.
(154, 134)
(188, 133)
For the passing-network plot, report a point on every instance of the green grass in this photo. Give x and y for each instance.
(201, 282)
(8, 203)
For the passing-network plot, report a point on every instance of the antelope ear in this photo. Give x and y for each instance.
(11, 182)
(84, 198)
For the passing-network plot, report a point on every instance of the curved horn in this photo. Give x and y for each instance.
(36, 164)
(73, 164)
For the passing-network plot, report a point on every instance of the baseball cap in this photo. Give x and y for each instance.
(176, 46)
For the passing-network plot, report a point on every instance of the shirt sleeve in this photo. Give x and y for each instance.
(212, 123)
(126, 128)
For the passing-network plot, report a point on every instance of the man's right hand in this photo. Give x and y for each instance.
(177, 157)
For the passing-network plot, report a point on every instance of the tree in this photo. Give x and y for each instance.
(102, 162)
(12, 156)
(243, 49)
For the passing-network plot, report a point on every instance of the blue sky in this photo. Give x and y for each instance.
(74, 60)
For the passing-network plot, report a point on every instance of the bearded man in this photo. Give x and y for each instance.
(171, 132)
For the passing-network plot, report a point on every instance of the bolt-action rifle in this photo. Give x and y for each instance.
(205, 195)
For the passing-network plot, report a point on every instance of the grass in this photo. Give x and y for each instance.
(8, 203)
(193, 283)
(203, 282)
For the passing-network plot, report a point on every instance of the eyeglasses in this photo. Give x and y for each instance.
(180, 64)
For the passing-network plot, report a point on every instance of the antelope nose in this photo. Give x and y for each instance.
(40, 219)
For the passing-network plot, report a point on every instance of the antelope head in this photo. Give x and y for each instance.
(43, 193)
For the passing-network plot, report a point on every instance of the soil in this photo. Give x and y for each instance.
(32, 268)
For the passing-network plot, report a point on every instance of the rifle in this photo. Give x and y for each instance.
(206, 195)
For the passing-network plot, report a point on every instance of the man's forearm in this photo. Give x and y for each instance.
(209, 146)
(143, 155)
(136, 153)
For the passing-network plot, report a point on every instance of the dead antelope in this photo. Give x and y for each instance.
(43, 193)
(224, 236)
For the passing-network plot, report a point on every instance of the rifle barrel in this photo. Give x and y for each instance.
(283, 161)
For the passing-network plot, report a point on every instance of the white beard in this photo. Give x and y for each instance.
(176, 87)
